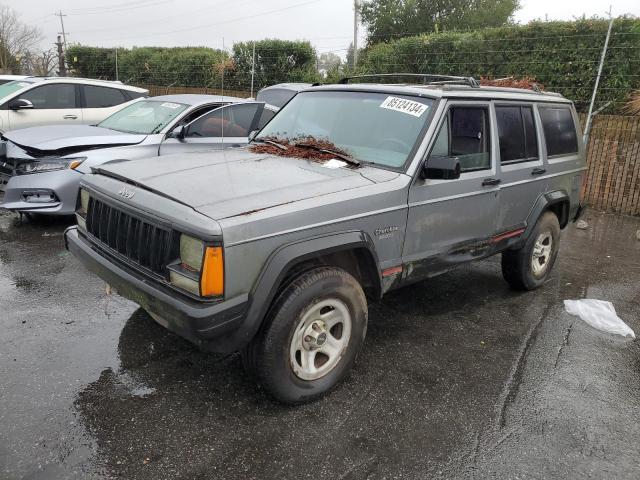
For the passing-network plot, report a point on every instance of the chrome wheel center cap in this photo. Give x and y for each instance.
(315, 335)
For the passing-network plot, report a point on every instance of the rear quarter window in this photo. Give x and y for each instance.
(559, 131)
(102, 97)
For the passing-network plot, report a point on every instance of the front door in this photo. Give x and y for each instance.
(227, 126)
(53, 104)
(452, 221)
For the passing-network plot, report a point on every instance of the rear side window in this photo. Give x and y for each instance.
(132, 95)
(54, 96)
(102, 97)
(559, 131)
(517, 133)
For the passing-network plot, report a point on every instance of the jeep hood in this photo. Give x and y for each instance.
(235, 182)
(61, 140)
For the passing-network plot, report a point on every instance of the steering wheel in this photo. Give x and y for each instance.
(401, 146)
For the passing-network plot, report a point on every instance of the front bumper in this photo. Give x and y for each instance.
(201, 323)
(61, 184)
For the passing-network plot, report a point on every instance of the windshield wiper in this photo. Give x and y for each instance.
(271, 142)
(339, 155)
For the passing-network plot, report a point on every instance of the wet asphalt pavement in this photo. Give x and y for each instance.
(459, 378)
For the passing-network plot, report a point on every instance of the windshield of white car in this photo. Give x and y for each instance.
(11, 87)
(376, 128)
(144, 117)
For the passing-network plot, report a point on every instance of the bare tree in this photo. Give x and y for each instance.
(16, 39)
(40, 64)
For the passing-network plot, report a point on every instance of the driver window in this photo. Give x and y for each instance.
(465, 135)
(54, 96)
(232, 121)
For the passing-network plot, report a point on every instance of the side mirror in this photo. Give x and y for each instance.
(20, 104)
(179, 132)
(252, 135)
(441, 168)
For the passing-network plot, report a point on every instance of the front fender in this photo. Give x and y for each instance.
(274, 272)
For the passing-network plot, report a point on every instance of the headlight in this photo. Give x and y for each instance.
(201, 268)
(84, 202)
(83, 208)
(49, 165)
(191, 252)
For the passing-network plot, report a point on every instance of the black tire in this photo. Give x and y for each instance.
(517, 265)
(268, 356)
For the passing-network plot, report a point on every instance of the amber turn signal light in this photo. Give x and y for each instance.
(212, 280)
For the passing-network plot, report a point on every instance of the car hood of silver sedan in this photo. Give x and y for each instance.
(237, 182)
(61, 140)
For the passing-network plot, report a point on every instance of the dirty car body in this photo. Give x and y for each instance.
(439, 181)
(41, 167)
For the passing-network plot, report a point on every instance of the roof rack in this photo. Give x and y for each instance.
(427, 79)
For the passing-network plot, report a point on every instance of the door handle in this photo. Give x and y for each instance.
(70, 117)
(538, 171)
(490, 182)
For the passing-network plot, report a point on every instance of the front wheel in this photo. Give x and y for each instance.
(529, 267)
(311, 337)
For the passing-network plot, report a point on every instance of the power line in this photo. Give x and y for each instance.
(172, 17)
(198, 27)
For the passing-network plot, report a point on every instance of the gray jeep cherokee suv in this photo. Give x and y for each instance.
(259, 250)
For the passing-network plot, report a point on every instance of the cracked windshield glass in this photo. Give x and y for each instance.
(144, 117)
(370, 127)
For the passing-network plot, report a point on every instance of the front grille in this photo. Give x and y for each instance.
(147, 245)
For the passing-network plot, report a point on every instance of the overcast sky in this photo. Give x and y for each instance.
(328, 24)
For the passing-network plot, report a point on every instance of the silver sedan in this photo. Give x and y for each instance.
(41, 167)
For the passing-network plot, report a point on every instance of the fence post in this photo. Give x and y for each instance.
(253, 67)
(587, 128)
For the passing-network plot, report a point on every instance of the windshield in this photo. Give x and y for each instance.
(147, 116)
(371, 127)
(11, 87)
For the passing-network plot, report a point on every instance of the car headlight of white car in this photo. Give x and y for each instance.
(42, 166)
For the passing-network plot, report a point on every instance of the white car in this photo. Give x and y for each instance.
(11, 78)
(35, 101)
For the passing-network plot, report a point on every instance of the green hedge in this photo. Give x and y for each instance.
(276, 61)
(181, 66)
(563, 56)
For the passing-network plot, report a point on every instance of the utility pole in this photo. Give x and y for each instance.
(116, 64)
(62, 69)
(355, 34)
(62, 46)
(64, 35)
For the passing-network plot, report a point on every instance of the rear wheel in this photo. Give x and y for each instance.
(311, 336)
(529, 267)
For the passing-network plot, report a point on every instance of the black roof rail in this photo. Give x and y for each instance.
(427, 78)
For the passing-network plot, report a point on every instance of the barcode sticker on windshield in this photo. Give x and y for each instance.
(170, 105)
(404, 106)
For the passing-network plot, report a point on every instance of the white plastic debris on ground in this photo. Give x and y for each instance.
(599, 314)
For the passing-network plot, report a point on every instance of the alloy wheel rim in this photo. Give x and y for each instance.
(541, 255)
(320, 339)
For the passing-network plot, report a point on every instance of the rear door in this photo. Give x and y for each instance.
(54, 103)
(227, 126)
(451, 221)
(522, 168)
(99, 102)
